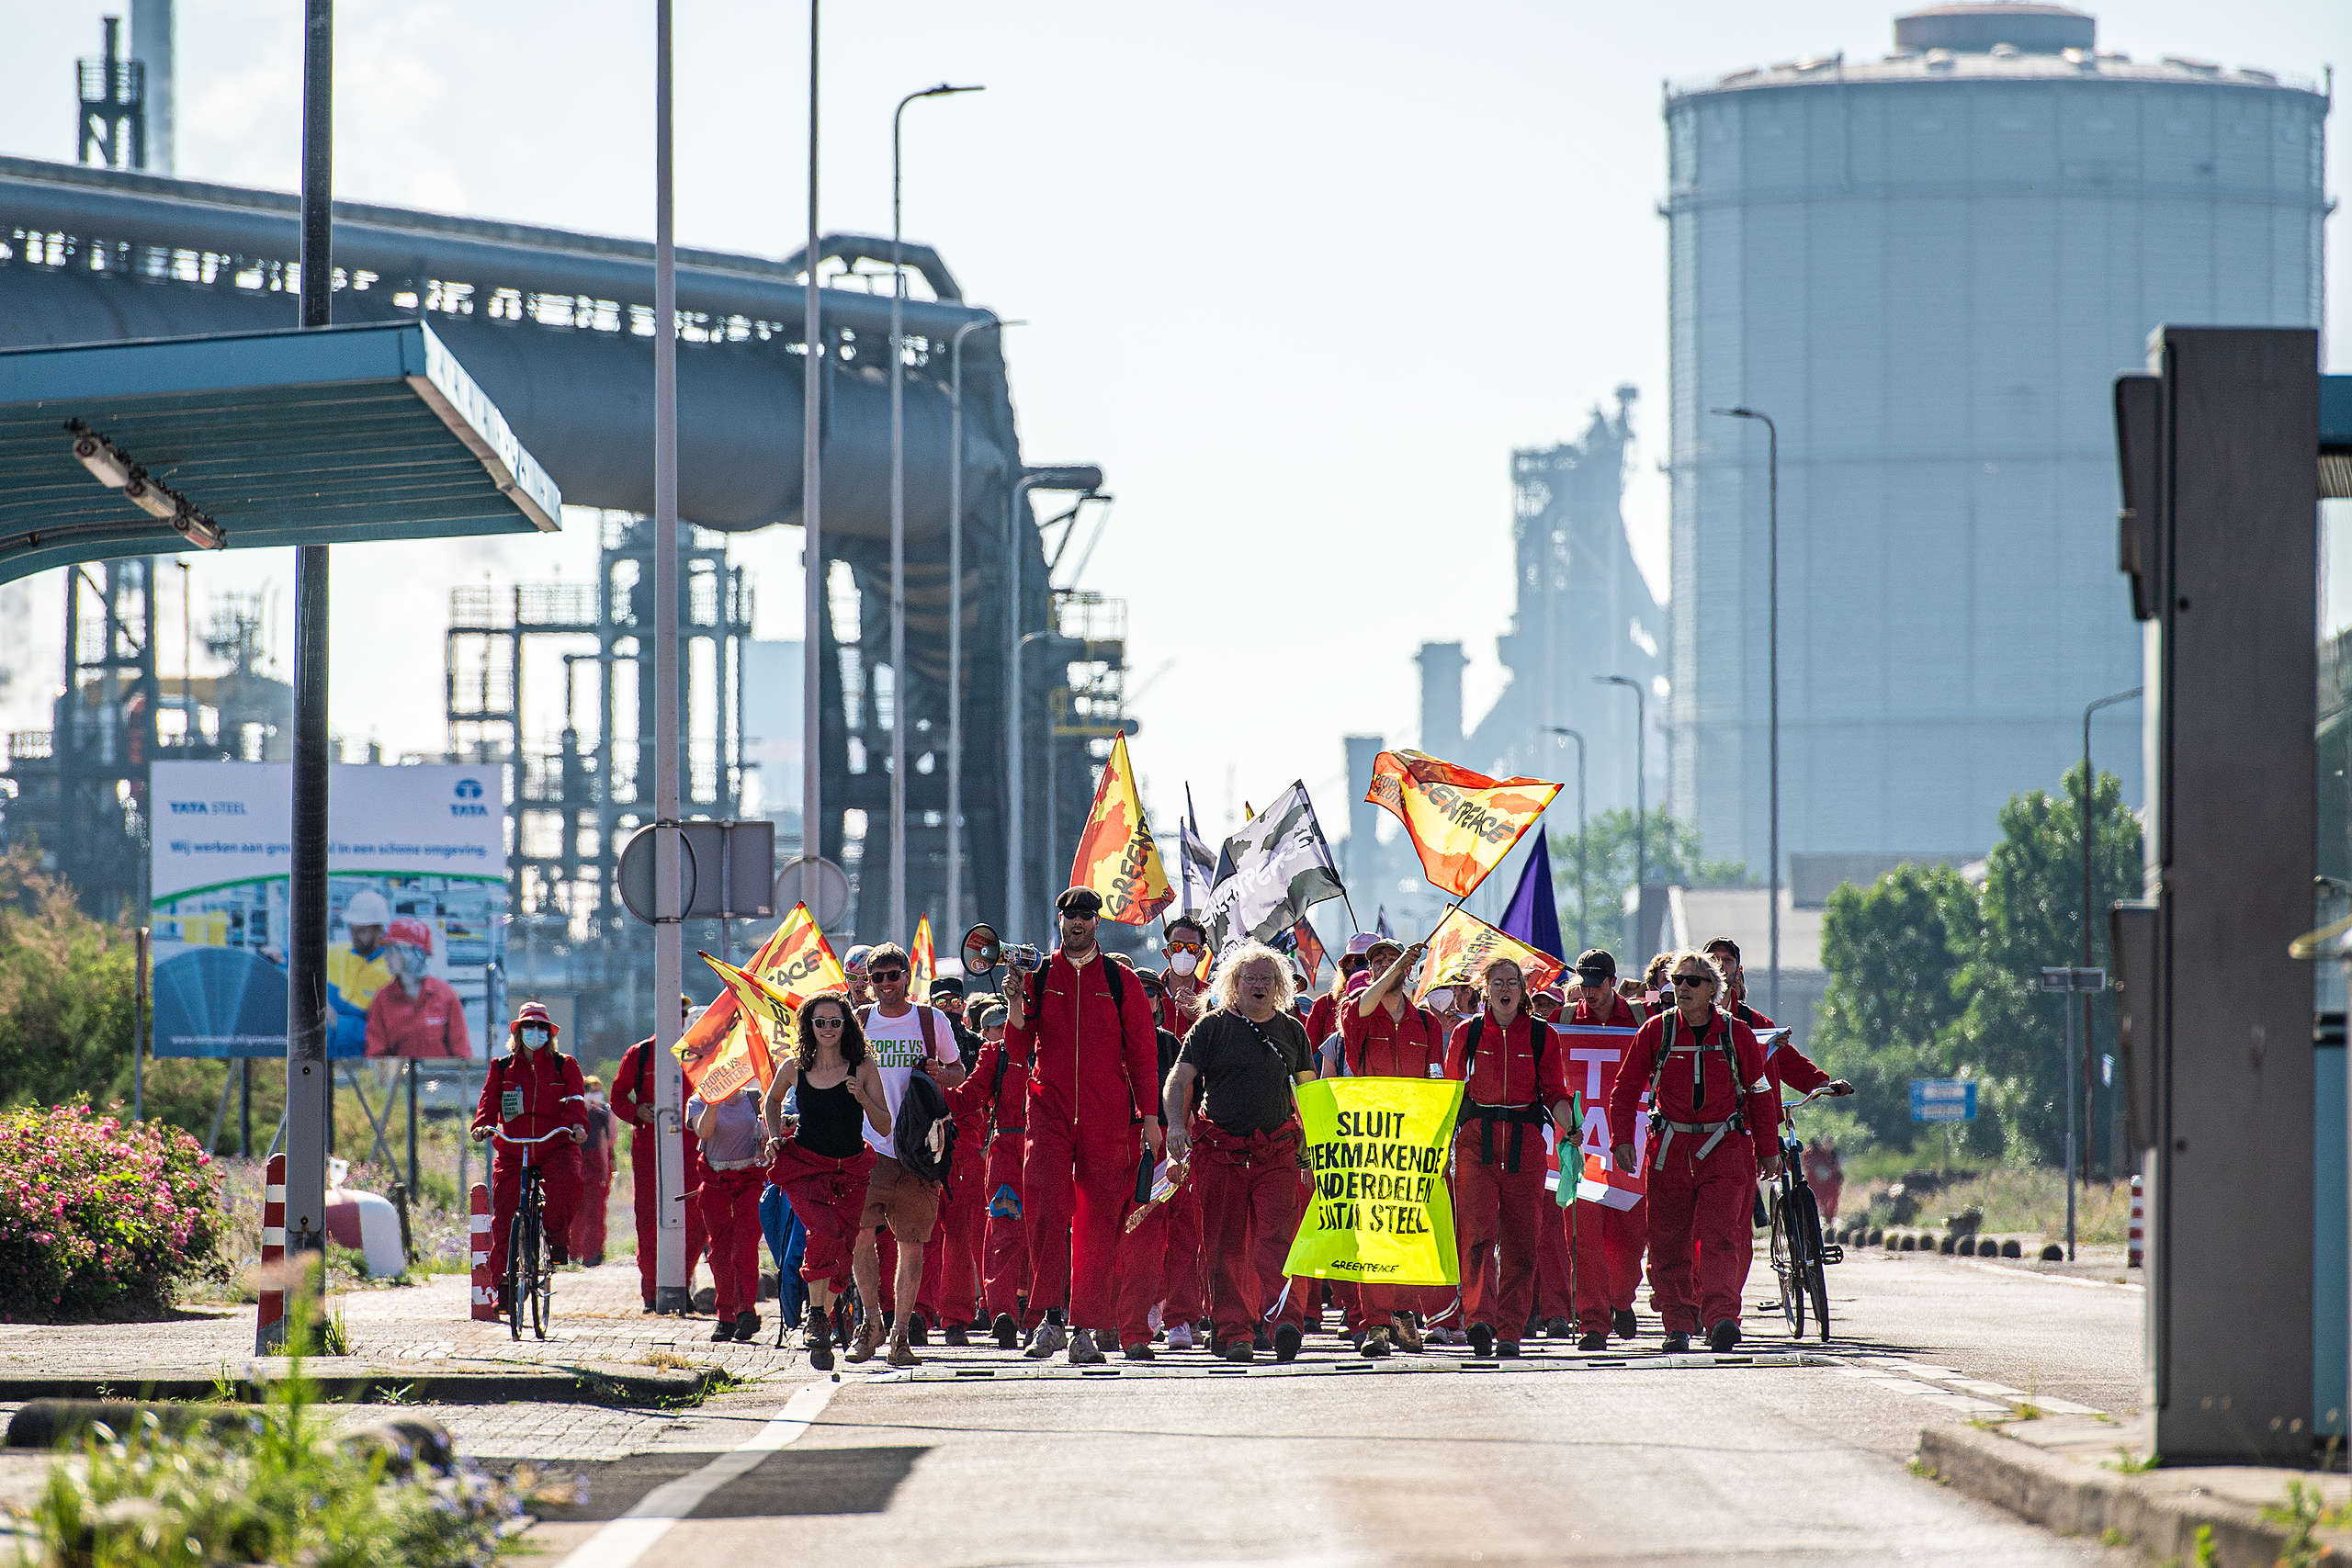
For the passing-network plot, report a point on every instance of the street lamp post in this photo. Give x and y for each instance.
(812, 372)
(1641, 799)
(956, 618)
(1772, 671)
(1582, 942)
(2083, 824)
(898, 684)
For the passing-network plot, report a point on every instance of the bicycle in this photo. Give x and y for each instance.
(1800, 1257)
(527, 1263)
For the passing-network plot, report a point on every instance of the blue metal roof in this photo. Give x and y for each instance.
(334, 436)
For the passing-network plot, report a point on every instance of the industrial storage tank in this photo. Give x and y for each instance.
(1928, 269)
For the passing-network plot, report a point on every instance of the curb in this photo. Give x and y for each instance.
(587, 1384)
(2160, 1512)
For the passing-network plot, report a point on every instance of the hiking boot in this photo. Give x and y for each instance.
(1050, 1337)
(1258, 1339)
(1621, 1324)
(1593, 1342)
(1287, 1339)
(918, 1332)
(956, 1336)
(1237, 1350)
(1557, 1328)
(1724, 1335)
(1083, 1349)
(1140, 1351)
(557, 1253)
(1676, 1344)
(1181, 1337)
(902, 1353)
(1482, 1340)
(1507, 1352)
(1404, 1333)
(1372, 1344)
(747, 1327)
(649, 1303)
(869, 1336)
(821, 1343)
(722, 1331)
(1007, 1332)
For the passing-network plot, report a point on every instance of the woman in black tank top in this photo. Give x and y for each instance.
(821, 1161)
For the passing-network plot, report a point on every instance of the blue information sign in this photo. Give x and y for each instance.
(1943, 1099)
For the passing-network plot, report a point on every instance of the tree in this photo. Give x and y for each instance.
(1675, 855)
(1893, 953)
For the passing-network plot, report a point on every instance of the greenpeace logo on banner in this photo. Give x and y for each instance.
(469, 801)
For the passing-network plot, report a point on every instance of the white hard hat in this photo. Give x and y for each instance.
(367, 908)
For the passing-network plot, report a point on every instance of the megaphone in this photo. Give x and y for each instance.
(982, 951)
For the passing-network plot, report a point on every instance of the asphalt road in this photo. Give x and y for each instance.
(1551, 1461)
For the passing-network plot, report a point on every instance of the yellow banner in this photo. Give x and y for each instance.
(925, 963)
(1461, 823)
(1464, 944)
(1116, 855)
(718, 1053)
(1381, 1212)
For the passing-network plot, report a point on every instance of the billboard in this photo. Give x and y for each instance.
(416, 908)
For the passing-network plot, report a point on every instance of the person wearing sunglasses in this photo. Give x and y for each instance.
(820, 1157)
(1186, 983)
(1714, 1124)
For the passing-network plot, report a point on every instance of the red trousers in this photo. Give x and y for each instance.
(1185, 1290)
(1078, 1182)
(595, 1197)
(649, 1234)
(1700, 1210)
(1004, 1242)
(1251, 1200)
(1142, 1275)
(559, 1195)
(1554, 1297)
(1609, 1261)
(730, 1211)
(1498, 1217)
(828, 1197)
(1824, 1197)
(951, 1265)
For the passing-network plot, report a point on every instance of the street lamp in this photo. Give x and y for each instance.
(2083, 823)
(955, 616)
(1771, 672)
(812, 548)
(899, 524)
(1563, 729)
(1641, 798)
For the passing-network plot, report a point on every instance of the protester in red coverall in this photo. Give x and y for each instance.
(1383, 1034)
(997, 1091)
(1555, 1300)
(1323, 1016)
(633, 1103)
(1242, 1147)
(533, 1090)
(1607, 1241)
(1092, 1104)
(1784, 1065)
(1720, 1127)
(1145, 1248)
(951, 1265)
(734, 1163)
(596, 1176)
(1186, 983)
(820, 1157)
(1182, 999)
(1509, 1070)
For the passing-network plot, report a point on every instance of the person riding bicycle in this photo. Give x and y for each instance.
(533, 1090)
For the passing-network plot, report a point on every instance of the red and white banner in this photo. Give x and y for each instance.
(1590, 1070)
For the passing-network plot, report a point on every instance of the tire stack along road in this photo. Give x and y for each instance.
(1420, 1459)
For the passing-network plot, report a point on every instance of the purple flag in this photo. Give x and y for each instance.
(1533, 915)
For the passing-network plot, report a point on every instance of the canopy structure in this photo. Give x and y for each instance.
(248, 440)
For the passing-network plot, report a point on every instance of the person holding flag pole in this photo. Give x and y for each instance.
(1383, 1034)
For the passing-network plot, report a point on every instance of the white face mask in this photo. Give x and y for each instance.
(534, 1039)
(1185, 963)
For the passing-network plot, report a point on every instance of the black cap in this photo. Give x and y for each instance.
(1079, 901)
(1597, 961)
(947, 986)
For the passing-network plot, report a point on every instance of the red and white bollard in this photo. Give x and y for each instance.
(485, 1288)
(270, 1322)
(2135, 1242)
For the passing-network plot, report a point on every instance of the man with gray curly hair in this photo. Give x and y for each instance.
(1245, 1056)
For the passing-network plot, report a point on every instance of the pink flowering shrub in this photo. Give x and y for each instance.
(100, 1219)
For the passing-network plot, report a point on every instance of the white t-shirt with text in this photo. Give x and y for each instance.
(896, 1045)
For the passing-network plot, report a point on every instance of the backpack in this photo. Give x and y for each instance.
(924, 1121)
(1538, 1031)
(1698, 1070)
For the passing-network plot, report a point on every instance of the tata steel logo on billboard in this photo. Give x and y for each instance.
(469, 801)
(207, 808)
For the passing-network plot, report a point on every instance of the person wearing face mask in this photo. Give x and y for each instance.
(1383, 1034)
(417, 1015)
(357, 970)
(1085, 1026)
(633, 1104)
(1185, 994)
(1509, 1068)
(535, 1089)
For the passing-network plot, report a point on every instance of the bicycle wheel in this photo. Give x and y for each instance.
(1816, 1276)
(1785, 1266)
(535, 1266)
(515, 1278)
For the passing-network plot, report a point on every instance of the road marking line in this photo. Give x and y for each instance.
(626, 1539)
(2054, 1278)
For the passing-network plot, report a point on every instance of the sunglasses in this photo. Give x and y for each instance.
(1185, 946)
(825, 1023)
(880, 975)
(1694, 979)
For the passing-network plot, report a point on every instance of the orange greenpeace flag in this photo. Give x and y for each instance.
(718, 1053)
(1462, 823)
(1116, 856)
(925, 963)
(1310, 949)
(1464, 943)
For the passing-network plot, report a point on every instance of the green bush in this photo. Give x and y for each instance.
(98, 1220)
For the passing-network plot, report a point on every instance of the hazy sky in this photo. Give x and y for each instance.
(1299, 278)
